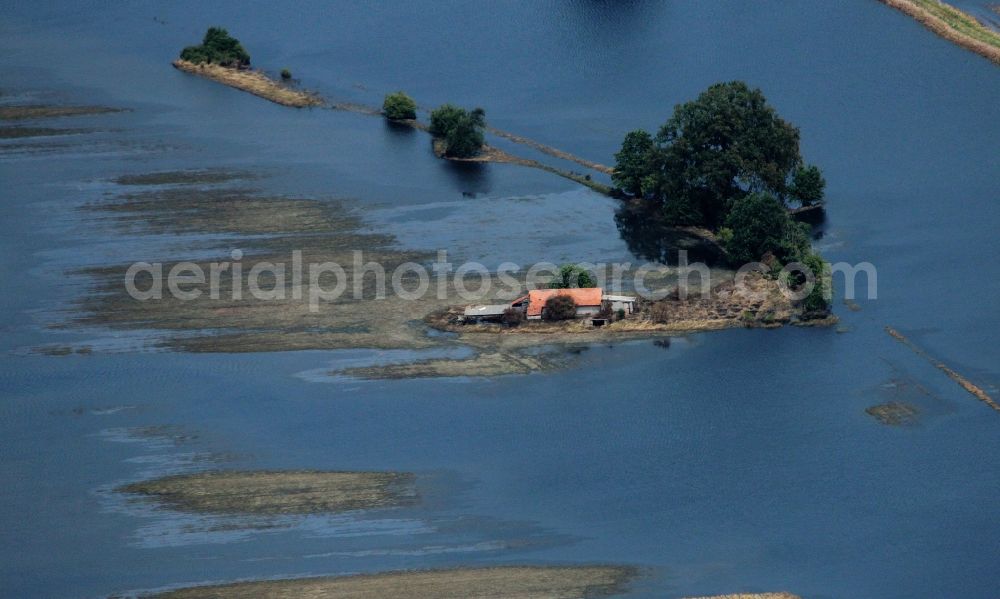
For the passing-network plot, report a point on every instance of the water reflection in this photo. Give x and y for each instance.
(649, 238)
(470, 178)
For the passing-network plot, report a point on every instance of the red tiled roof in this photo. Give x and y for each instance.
(590, 296)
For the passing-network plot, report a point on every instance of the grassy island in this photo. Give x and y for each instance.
(277, 492)
(222, 58)
(952, 24)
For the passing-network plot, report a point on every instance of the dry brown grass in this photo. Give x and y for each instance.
(254, 82)
(506, 582)
(953, 25)
(277, 492)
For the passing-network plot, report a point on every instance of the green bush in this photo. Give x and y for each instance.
(286, 74)
(512, 317)
(817, 302)
(218, 47)
(399, 106)
(461, 130)
(559, 307)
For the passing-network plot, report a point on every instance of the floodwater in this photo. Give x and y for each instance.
(731, 461)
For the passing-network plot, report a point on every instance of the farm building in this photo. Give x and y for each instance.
(625, 303)
(485, 313)
(588, 301)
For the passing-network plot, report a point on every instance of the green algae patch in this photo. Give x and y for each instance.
(44, 111)
(278, 492)
(522, 582)
(487, 364)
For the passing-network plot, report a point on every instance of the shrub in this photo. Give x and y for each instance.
(512, 317)
(461, 130)
(559, 307)
(817, 302)
(218, 47)
(659, 312)
(620, 313)
(398, 106)
(286, 74)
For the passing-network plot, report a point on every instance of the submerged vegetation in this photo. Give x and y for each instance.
(218, 47)
(278, 492)
(398, 106)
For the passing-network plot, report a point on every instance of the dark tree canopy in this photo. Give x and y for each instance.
(759, 224)
(559, 307)
(712, 152)
(724, 159)
(461, 130)
(632, 162)
(399, 106)
(572, 276)
(218, 47)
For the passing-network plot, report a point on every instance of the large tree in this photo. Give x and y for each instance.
(713, 151)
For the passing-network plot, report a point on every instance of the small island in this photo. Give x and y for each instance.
(222, 58)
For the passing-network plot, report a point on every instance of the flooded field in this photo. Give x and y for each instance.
(372, 447)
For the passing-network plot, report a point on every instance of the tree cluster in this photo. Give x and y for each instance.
(726, 161)
(218, 47)
(571, 276)
(461, 130)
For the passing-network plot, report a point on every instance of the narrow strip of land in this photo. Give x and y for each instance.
(254, 82)
(259, 84)
(556, 152)
(961, 380)
(953, 25)
(504, 582)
